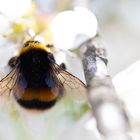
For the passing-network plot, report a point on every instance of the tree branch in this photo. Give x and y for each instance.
(111, 117)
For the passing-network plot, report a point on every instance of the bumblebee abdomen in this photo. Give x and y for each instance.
(36, 104)
(37, 99)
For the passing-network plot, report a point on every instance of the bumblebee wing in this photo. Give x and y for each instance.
(72, 85)
(8, 82)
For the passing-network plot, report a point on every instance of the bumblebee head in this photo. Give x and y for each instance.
(30, 42)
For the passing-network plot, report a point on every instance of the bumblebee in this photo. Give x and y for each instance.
(36, 81)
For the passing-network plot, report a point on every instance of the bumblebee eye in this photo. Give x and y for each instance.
(27, 44)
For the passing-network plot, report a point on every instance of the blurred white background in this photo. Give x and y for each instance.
(119, 24)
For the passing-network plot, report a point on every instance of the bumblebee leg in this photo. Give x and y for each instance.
(12, 62)
(63, 66)
(49, 46)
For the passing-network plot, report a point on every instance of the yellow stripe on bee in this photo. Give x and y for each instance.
(39, 94)
(31, 46)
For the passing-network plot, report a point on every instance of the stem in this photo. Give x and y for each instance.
(111, 117)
